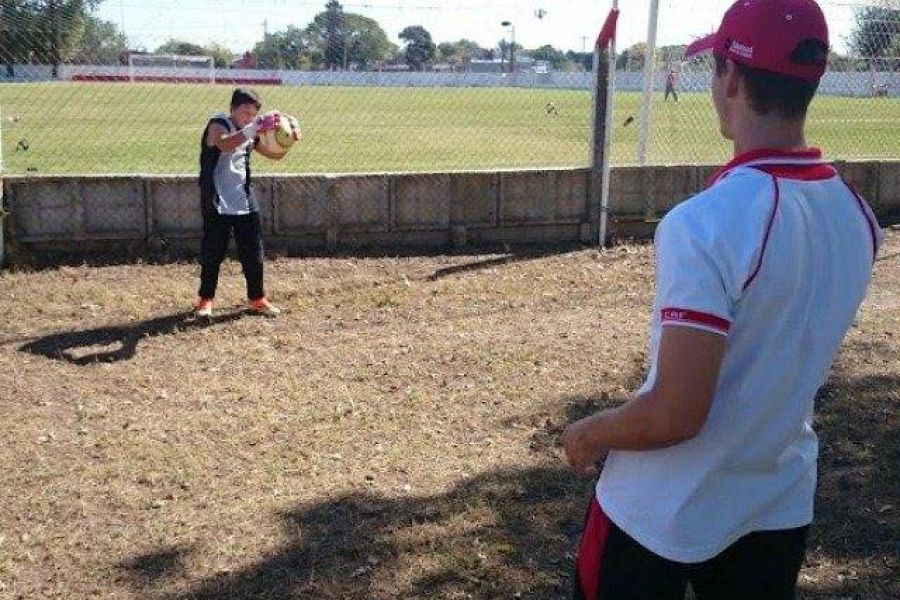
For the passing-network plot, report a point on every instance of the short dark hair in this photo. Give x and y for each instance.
(245, 96)
(788, 97)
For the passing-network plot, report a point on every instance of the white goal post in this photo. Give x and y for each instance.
(143, 67)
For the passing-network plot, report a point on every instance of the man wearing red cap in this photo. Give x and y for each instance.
(711, 466)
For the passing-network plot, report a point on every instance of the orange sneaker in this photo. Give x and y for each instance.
(262, 306)
(203, 307)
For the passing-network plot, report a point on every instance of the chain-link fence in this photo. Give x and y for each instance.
(81, 94)
(126, 87)
(855, 116)
(86, 92)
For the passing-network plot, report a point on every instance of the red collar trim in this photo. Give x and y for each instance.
(815, 172)
(804, 158)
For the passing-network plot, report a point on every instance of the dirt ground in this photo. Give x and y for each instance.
(391, 436)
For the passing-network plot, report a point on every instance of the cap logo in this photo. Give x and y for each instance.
(741, 50)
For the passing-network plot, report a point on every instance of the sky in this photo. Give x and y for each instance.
(569, 25)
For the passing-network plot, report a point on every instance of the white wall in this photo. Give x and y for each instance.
(838, 84)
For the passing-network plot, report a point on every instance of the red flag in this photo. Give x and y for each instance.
(609, 29)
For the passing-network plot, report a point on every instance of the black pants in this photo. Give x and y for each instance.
(760, 566)
(671, 90)
(248, 237)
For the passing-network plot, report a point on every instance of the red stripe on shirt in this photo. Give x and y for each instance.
(765, 242)
(872, 226)
(692, 317)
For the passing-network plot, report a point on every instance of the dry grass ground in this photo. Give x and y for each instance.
(389, 437)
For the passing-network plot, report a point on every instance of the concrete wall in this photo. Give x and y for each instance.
(414, 210)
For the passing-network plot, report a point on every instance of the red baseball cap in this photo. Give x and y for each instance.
(764, 34)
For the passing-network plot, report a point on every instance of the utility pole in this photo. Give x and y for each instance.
(512, 46)
(55, 43)
(512, 50)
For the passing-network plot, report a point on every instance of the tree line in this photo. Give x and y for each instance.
(67, 31)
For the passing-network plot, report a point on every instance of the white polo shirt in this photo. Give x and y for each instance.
(776, 255)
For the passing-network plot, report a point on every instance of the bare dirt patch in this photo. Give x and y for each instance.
(391, 436)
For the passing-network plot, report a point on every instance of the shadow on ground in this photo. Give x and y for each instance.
(116, 343)
(161, 252)
(510, 533)
(148, 569)
(496, 535)
(858, 501)
(522, 256)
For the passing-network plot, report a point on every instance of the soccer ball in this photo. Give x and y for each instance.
(279, 140)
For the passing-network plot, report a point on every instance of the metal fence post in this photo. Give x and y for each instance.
(604, 73)
(649, 74)
(2, 207)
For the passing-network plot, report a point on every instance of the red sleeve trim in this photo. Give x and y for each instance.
(680, 316)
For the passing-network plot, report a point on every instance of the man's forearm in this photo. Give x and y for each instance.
(640, 424)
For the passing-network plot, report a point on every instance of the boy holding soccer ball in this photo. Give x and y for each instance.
(227, 200)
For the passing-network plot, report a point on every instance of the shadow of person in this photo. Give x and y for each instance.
(502, 533)
(151, 568)
(488, 263)
(116, 343)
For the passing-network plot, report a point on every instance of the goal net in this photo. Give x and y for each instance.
(171, 68)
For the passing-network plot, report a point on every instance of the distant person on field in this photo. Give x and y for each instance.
(671, 82)
(710, 470)
(228, 202)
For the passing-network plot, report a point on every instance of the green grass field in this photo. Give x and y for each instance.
(155, 128)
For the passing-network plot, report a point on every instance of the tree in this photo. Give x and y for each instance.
(100, 42)
(893, 52)
(46, 31)
(839, 63)
(289, 49)
(43, 30)
(420, 49)
(181, 47)
(585, 60)
(547, 53)
(62, 27)
(19, 22)
(633, 58)
(445, 51)
(875, 31)
(337, 39)
(508, 51)
(328, 33)
(460, 53)
(222, 56)
(362, 42)
(668, 57)
(366, 42)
